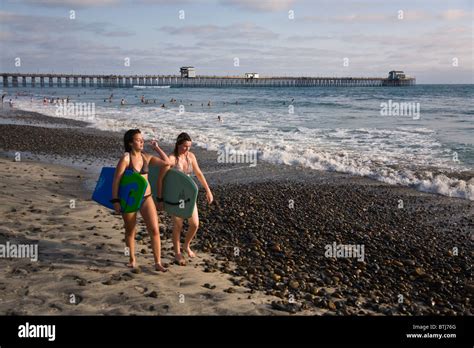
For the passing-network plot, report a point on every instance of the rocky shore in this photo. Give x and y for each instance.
(311, 242)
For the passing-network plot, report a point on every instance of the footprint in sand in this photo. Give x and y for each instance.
(206, 296)
(140, 289)
(209, 286)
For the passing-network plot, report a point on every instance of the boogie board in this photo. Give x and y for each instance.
(179, 191)
(131, 190)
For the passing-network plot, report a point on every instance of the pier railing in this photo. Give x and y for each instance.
(116, 81)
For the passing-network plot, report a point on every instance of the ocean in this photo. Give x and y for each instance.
(419, 136)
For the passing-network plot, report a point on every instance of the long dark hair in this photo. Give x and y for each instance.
(183, 137)
(128, 138)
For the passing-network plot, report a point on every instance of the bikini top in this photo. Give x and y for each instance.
(181, 169)
(144, 169)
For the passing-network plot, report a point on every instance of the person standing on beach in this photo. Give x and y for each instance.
(135, 158)
(184, 161)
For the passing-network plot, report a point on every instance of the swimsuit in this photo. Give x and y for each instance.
(143, 171)
(181, 169)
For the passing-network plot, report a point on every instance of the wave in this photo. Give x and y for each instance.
(406, 156)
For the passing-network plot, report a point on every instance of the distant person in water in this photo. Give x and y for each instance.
(122, 102)
(10, 103)
(219, 119)
(142, 99)
(184, 161)
(163, 106)
(209, 103)
(134, 158)
(3, 97)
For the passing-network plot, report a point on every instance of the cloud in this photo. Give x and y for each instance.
(454, 14)
(260, 5)
(71, 3)
(237, 31)
(44, 24)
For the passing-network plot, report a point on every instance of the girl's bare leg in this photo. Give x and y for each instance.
(177, 227)
(148, 211)
(193, 227)
(130, 222)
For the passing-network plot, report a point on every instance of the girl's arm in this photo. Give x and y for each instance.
(159, 186)
(201, 178)
(119, 170)
(164, 160)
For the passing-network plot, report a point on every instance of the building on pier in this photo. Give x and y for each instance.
(188, 71)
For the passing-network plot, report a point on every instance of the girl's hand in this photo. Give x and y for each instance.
(209, 196)
(117, 208)
(154, 144)
(159, 206)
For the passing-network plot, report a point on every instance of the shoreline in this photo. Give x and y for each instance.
(407, 249)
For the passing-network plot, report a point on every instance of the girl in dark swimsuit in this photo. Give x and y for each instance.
(134, 158)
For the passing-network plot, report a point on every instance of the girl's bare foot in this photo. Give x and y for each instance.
(132, 263)
(159, 267)
(180, 260)
(190, 252)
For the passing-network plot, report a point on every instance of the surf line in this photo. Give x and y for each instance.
(226, 170)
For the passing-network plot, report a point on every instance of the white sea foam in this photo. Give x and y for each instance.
(408, 156)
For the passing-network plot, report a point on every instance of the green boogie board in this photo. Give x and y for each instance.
(131, 190)
(179, 191)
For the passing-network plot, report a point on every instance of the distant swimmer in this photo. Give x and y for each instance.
(163, 106)
(219, 118)
(3, 97)
(154, 101)
(10, 103)
(45, 101)
(122, 102)
(142, 99)
(209, 103)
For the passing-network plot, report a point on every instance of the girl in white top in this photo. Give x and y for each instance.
(185, 161)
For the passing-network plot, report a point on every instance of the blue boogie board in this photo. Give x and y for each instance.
(131, 190)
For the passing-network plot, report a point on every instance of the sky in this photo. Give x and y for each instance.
(429, 39)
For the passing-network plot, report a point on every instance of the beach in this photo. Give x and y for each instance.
(274, 242)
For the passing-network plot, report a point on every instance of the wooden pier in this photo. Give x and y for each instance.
(118, 81)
